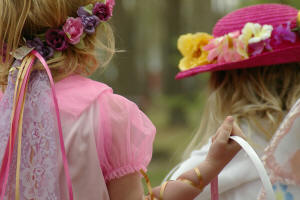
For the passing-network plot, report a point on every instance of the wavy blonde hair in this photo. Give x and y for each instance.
(260, 96)
(27, 18)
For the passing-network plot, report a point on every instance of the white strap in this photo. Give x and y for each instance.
(258, 165)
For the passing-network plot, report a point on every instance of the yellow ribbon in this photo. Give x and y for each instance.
(20, 79)
(15, 97)
(150, 190)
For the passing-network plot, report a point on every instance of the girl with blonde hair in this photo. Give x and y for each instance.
(69, 137)
(253, 57)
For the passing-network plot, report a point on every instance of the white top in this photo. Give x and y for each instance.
(239, 180)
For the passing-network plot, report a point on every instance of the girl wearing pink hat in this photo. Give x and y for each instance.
(253, 56)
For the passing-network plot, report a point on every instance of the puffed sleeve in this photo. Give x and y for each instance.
(125, 137)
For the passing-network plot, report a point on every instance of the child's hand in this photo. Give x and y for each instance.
(223, 149)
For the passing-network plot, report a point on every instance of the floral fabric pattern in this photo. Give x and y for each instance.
(39, 171)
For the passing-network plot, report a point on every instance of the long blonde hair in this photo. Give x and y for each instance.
(28, 18)
(260, 96)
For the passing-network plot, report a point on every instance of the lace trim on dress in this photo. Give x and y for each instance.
(39, 172)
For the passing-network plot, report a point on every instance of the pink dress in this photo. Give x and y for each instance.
(106, 136)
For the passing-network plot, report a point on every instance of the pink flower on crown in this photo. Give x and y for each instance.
(226, 49)
(104, 11)
(111, 4)
(73, 29)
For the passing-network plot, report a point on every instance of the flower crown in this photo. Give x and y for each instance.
(74, 29)
(202, 49)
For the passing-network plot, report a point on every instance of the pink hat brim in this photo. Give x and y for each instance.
(287, 54)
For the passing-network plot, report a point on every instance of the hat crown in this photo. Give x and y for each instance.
(271, 14)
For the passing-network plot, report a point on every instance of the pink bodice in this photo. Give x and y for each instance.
(106, 136)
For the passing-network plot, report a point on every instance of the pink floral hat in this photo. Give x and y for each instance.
(260, 35)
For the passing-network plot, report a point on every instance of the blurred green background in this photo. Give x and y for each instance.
(147, 31)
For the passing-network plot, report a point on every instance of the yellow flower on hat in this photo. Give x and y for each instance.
(254, 33)
(191, 47)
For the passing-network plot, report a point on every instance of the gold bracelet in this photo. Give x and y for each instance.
(199, 185)
(200, 178)
(148, 184)
(162, 190)
(189, 182)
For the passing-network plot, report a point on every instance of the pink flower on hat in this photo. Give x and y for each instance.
(265, 37)
(226, 49)
(258, 48)
(73, 29)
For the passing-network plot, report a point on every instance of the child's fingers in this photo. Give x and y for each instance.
(236, 131)
(225, 130)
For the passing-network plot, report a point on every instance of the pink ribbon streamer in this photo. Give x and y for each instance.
(9, 149)
(214, 189)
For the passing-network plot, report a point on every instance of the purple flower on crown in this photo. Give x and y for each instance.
(46, 51)
(36, 42)
(284, 33)
(57, 39)
(90, 23)
(83, 11)
(104, 11)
